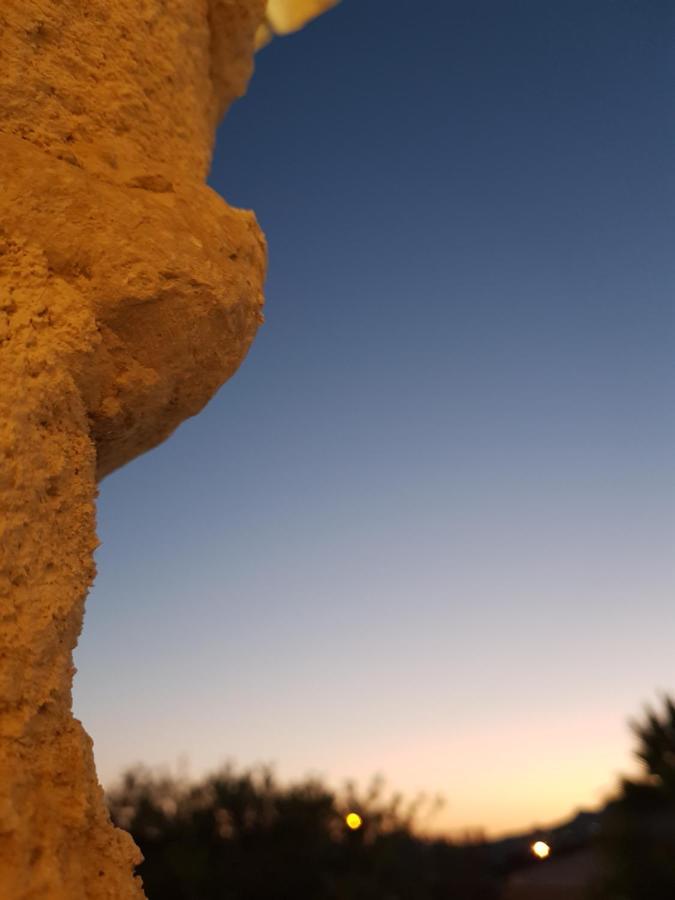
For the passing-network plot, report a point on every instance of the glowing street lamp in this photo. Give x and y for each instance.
(540, 849)
(353, 821)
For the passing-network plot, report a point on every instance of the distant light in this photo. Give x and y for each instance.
(541, 849)
(354, 821)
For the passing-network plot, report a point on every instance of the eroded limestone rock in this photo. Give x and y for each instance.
(129, 292)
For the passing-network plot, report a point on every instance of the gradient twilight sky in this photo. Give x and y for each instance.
(427, 529)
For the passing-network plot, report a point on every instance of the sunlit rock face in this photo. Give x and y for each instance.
(129, 292)
(285, 16)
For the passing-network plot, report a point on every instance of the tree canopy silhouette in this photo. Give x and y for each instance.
(638, 835)
(657, 746)
(243, 836)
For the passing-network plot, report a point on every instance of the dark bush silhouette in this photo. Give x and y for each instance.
(638, 833)
(244, 837)
(657, 747)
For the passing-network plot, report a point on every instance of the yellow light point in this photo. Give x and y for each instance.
(354, 821)
(541, 849)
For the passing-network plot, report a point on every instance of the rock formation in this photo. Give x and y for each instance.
(129, 292)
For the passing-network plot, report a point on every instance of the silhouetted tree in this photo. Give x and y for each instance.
(244, 837)
(657, 746)
(638, 833)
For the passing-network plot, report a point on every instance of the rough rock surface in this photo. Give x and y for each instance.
(128, 293)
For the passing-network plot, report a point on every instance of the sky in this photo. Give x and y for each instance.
(426, 531)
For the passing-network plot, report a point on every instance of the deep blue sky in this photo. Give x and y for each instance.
(427, 529)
